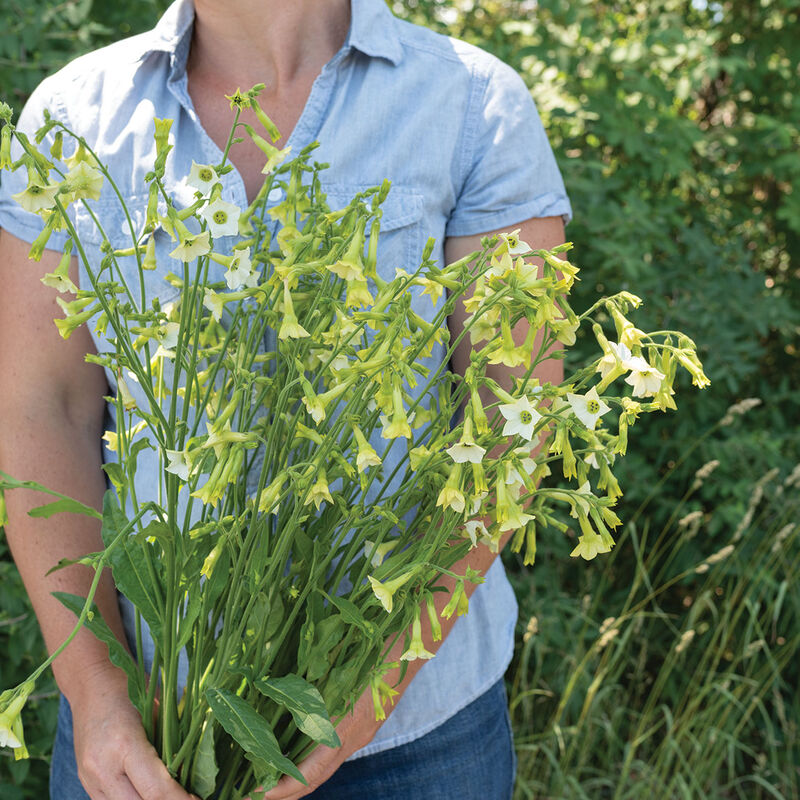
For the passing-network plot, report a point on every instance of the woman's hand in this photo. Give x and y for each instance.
(355, 731)
(115, 759)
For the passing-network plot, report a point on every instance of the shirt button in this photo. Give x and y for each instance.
(275, 194)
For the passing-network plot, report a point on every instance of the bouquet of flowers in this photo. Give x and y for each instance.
(314, 492)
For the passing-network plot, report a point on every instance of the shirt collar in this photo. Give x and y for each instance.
(373, 30)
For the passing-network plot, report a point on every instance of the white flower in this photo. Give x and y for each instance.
(169, 338)
(83, 181)
(644, 379)
(521, 418)
(610, 361)
(516, 247)
(177, 464)
(7, 737)
(214, 303)
(37, 197)
(475, 528)
(222, 218)
(466, 451)
(191, 247)
(202, 177)
(240, 270)
(588, 408)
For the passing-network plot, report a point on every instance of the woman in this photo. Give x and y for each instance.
(457, 134)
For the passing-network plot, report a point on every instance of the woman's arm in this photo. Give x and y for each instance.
(51, 423)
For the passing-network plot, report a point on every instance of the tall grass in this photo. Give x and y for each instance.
(652, 673)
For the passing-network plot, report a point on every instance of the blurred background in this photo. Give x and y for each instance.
(670, 667)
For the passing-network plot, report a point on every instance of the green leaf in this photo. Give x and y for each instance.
(117, 652)
(115, 474)
(350, 612)
(304, 703)
(203, 775)
(64, 504)
(250, 730)
(129, 565)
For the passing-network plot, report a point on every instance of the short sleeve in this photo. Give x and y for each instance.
(14, 219)
(510, 173)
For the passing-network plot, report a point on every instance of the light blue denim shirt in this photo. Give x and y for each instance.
(453, 128)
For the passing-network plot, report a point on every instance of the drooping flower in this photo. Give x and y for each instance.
(379, 552)
(466, 450)
(521, 418)
(366, 457)
(614, 358)
(474, 529)
(290, 327)
(214, 302)
(417, 648)
(178, 465)
(384, 591)
(588, 408)
(644, 379)
(451, 495)
(222, 218)
(319, 491)
(12, 702)
(513, 244)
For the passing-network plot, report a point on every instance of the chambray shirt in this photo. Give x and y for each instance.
(453, 128)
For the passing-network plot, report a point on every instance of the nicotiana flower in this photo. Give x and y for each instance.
(240, 270)
(588, 408)
(37, 197)
(521, 418)
(451, 495)
(384, 591)
(366, 457)
(589, 545)
(214, 302)
(319, 491)
(202, 177)
(192, 246)
(466, 450)
(84, 181)
(515, 246)
(644, 379)
(475, 529)
(416, 649)
(617, 357)
(178, 465)
(380, 552)
(222, 218)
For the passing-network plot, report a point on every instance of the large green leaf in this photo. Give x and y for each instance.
(64, 503)
(350, 612)
(203, 775)
(304, 703)
(250, 730)
(118, 654)
(129, 565)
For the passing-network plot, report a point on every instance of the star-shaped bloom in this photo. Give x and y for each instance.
(384, 591)
(515, 246)
(37, 197)
(319, 492)
(644, 379)
(416, 649)
(475, 529)
(588, 408)
(169, 335)
(521, 418)
(618, 357)
(589, 546)
(222, 218)
(240, 269)
(84, 181)
(178, 465)
(192, 246)
(463, 452)
(202, 177)
(214, 303)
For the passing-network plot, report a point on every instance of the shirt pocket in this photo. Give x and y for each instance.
(400, 243)
(117, 227)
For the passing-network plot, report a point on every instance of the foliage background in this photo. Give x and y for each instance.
(676, 126)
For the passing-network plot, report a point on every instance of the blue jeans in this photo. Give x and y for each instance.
(469, 757)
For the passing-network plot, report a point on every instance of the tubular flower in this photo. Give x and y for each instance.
(367, 457)
(644, 379)
(466, 450)
(451, 495)
(588, 408)
(417, 648)
(222, 218)
(37, 197)
(192, 246)
(290, 327)
(521, 418)
(384, 591)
